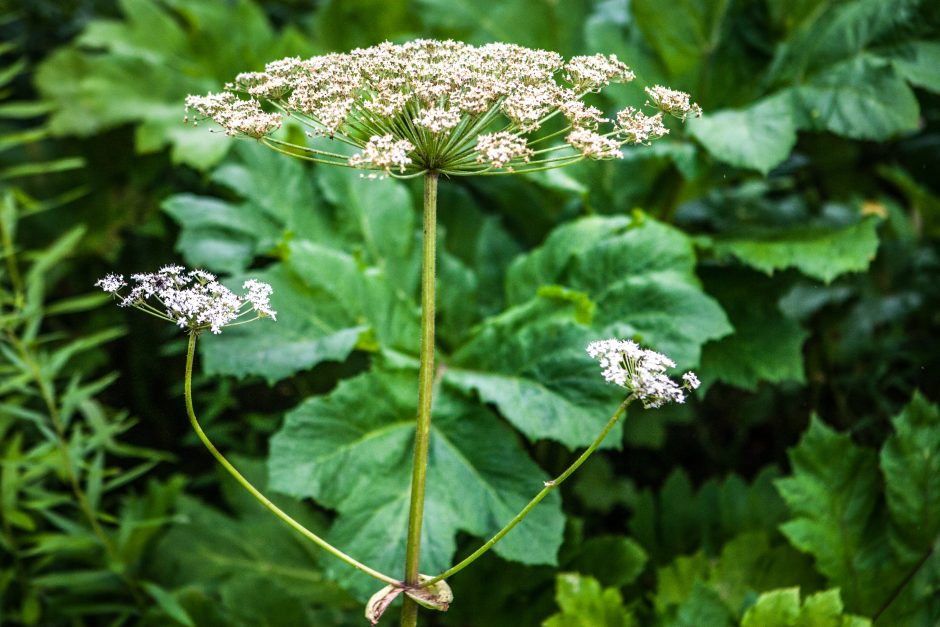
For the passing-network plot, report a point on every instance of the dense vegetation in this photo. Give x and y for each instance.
(785, 246)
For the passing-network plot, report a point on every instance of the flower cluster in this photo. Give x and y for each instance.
(235, 115)
(673, 102)
(442, 106)
(193, 300)
(385, 153)
(641, 371)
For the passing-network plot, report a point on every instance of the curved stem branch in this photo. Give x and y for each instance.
(549, 486)
(326, 546)
(409, 614)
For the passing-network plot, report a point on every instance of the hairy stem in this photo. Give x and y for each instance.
(326, 546)
(409, 614)
(549, 486)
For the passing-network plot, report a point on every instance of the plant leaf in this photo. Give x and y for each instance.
(639, 272)
(819, 253)
(351, 451)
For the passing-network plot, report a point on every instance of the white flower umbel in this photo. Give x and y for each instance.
(641, 371)
(676, 103)
(441, 106)
(193, 300)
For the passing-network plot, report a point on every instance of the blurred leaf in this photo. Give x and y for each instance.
(781, 608)
(766, 344)
(919, 63)
(861, 99)
(823, 33)
(540, 23)
(682, 33)
(819, 253)
(140, 69)
(696, 586)
(910, 460)
(677, 520)
(351, 451)
(702, 608)
(168, 604)
(614, 560)
(584, 604)
(758, 137)
(832, 495)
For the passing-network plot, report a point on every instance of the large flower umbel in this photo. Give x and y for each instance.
(442, 106)
(641, 371)
(193, 300)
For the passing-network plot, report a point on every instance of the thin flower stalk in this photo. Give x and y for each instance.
(251, 489)
(625, 363)
(194, 300)
(549, 486)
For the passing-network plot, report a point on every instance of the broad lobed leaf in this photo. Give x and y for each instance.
(351, 451)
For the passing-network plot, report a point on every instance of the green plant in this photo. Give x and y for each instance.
(424, 109)
(814, 243)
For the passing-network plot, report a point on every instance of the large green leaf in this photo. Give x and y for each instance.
(919, 63)
(311, 327)
(910, 460)
(278, 201)
(638, 271)
(862, 98)
(758, 137)
(832, 494)
(140, 69)
(817, 252)
(539, 376)
(352, 450)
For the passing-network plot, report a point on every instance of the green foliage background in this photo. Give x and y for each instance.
(785, 246)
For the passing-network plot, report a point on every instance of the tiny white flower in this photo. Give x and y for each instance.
(498, 149)
(111, 283)
(673, 102)
(384, 152)
(594, 145)
(193, 300)
(641, 371)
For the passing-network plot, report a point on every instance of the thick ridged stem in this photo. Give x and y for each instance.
(409, 614)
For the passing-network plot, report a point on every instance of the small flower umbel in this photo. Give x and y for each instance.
(442, 106)
(196, 301)
(193, 300)
(641, 371)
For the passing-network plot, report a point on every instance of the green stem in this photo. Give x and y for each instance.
(549, 486)
(326, 546)
(409, 614)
